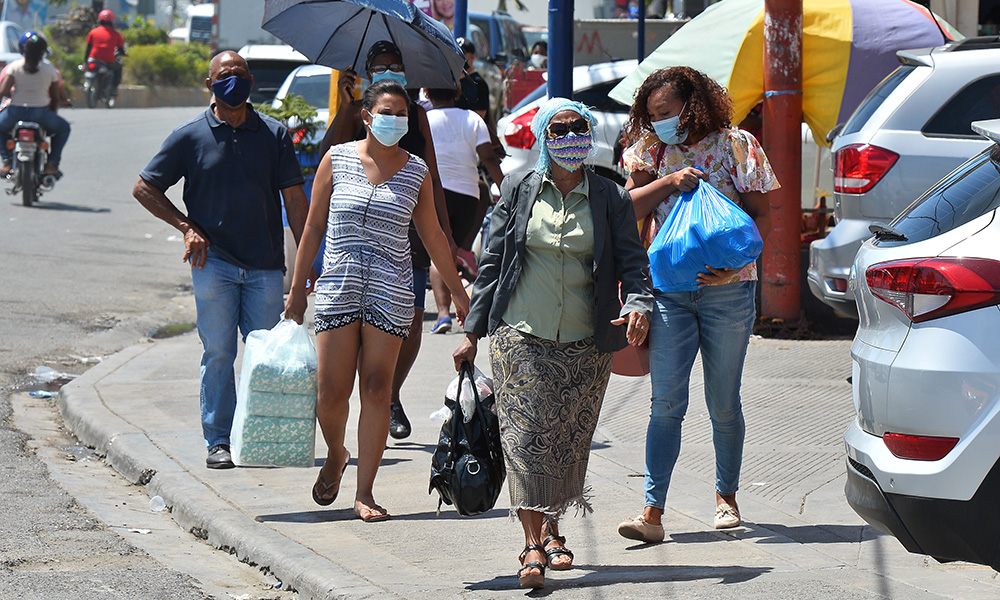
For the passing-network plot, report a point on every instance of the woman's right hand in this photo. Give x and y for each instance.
(687, 178)
(466, 352)
(295, 307)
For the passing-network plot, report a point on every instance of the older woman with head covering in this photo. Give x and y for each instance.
(563, 283)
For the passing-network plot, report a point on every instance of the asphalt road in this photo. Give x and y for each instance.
(85, 273)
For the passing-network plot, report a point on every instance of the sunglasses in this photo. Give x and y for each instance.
(579, 126)
(379, 69)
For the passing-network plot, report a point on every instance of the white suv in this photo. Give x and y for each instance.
(923, 454)
(910, 131)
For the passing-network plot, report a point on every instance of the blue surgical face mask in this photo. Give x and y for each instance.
(232, 91)
(399, 78)
(389, 129)
(669, 131)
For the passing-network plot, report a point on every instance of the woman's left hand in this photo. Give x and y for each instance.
(716, 276)
(461, 306)
(638, 327)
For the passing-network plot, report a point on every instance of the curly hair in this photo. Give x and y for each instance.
(708, 106)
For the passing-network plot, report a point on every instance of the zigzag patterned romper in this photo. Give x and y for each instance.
(367, 272)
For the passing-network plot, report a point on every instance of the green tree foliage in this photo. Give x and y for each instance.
(143, 32)
(150, 61)
(299, 117)
(167, 64)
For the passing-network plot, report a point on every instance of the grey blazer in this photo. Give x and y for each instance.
(618, 257)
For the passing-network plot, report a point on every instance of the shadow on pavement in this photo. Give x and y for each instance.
(45, 205)
(598, 575)
(773, 533)
(347, 514)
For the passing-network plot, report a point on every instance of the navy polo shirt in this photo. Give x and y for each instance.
(232, 177)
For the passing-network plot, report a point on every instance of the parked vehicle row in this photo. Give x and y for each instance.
(923, 454)
(910, 131)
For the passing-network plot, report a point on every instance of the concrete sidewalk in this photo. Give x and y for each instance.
(799, 539)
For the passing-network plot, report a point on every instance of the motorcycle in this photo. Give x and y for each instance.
(98, 83)
(30, 144)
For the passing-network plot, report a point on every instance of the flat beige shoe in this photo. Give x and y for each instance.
(639, 529)
(726, 516)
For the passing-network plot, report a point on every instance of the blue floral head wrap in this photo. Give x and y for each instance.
(540, 123)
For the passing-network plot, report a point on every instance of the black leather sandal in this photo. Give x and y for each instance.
(531, 580)
(558, 551)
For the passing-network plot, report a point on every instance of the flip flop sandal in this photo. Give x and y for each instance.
(372, 516)
(326, 486)
(529, 580)
(558, 551)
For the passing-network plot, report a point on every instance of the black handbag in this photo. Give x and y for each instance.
(467, 468)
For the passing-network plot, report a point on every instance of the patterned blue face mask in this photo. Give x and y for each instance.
(399, 78)
(669, 130)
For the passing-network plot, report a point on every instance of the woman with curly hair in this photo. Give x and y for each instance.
(680, 126)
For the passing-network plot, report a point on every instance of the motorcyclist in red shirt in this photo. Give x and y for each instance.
(104, 44)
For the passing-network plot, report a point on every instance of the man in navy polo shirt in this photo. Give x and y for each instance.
(234, 162)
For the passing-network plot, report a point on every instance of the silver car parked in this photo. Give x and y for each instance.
(910, 131)
(923, 454)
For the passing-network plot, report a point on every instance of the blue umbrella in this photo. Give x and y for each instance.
(337, 33)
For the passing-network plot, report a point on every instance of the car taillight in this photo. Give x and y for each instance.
(518, 133)
(297, 135)
(918, 447)
(26, 135)
(858, 167)
(930, 288)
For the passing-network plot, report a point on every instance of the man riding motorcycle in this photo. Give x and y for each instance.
(35, 88)
(105, 45)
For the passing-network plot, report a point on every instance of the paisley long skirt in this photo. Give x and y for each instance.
(549, 396)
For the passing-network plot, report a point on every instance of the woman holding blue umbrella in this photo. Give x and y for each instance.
(680, 122)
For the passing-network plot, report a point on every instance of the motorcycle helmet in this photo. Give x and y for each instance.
(106, 16)
(27, 36)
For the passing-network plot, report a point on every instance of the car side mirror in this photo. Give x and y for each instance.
(832, 135)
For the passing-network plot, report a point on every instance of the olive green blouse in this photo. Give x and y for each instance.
(554, 295)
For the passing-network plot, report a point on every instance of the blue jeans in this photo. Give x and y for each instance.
(718, 320)
(55, 125)
(227, 297)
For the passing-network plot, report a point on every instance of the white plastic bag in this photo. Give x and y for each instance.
(275, 419)
(466, 399)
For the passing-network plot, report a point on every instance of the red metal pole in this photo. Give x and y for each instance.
(781, 278)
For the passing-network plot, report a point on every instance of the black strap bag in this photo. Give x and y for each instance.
(467, 468)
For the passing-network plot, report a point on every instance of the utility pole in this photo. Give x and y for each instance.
(560, 48)
(782, 258)
(461, 18)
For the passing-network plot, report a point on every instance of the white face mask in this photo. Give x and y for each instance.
(537, 60)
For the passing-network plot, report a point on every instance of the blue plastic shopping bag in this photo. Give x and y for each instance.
(703, 228)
